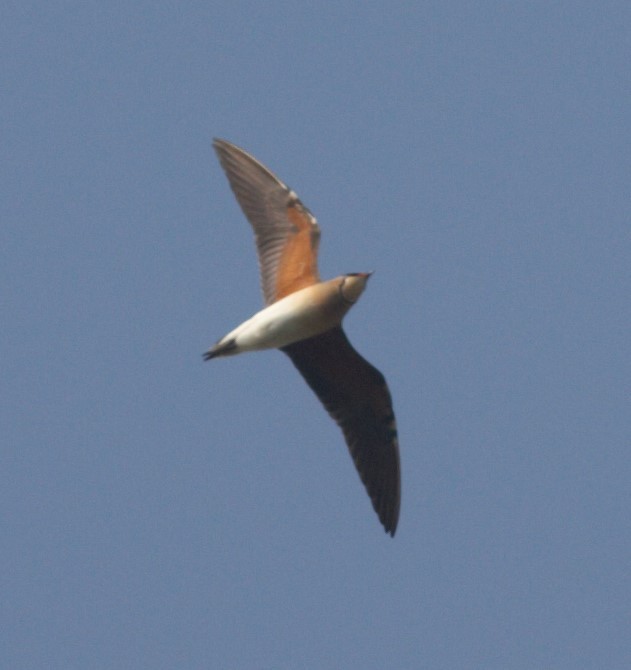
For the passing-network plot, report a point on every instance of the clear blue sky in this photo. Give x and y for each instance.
(161, 512)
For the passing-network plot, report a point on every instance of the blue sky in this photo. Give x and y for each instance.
(161, 512)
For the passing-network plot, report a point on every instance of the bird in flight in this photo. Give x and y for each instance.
(303, 318)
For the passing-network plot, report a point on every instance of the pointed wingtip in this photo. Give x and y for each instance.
(223, 147)
(390, 519)
(220, 146)
(389, 524)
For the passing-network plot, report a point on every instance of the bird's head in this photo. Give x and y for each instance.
(353, 285)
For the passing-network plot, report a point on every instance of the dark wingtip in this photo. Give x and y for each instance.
(208, 355)
(389, 526)
(389, 513)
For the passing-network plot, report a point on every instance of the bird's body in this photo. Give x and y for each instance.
(303, 318)
(299, 316)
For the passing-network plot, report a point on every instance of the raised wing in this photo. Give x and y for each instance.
(356, 395)
(286, 232)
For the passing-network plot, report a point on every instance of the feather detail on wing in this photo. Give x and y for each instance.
(287, 234)
(356, 395)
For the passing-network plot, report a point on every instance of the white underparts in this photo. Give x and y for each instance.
(308, 312)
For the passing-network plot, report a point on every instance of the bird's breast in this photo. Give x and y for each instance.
(301, 315)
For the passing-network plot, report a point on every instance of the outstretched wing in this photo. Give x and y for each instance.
(286, 232)
(356, 395)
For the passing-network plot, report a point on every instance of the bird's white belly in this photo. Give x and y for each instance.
(291, 319)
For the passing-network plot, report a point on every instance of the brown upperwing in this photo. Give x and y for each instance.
(297, 265)
(356, 395)
(287, 235)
